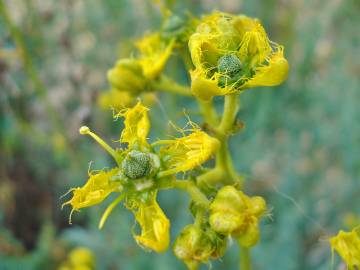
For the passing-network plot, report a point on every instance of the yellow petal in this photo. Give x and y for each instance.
(274, 73)
(347, 244)
(154, 224)
(188, 152)
(154, 54)
(255, 45)
(205, 88)
(96, 189)
(137, 125)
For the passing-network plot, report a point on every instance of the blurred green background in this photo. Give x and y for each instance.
(300, 148)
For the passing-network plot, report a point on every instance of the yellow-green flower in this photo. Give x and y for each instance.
(139, 167)
(347, 245)
(80, 258)
(233, 53)
(233, 212)
(134, 75)
(196, 245)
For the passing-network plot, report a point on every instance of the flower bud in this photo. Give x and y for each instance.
(234, 213)
(250, 236)
(195, 245)
(127, 75)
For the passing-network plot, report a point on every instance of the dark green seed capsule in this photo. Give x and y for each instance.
(137, 164)
(229, 65)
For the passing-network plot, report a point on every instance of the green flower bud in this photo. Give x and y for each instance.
(127, 75)
(250, 236)
(195, 245)
(234, 213)
(137, 164)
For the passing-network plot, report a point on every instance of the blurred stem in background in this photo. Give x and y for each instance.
(245, 260)
(38, 85)
(29, 67)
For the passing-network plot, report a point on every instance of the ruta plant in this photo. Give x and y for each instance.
(225, 54)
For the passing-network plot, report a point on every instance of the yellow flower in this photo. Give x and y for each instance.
(154, 53)
(232, 212)
(195, 245)
(127, 75)
(347, 244)
(137, 126)
(186, 153)
(233, 53)
(96, 189)
(79, 258)
(154, 224)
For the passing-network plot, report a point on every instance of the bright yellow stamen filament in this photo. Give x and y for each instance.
(84, 130)
(109, 210)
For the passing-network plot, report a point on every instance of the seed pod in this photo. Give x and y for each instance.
(137, 164)
(229, 64)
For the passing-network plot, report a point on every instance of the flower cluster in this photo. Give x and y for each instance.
(224, 54)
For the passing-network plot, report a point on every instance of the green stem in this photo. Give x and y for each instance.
(196, 195)
(166, 84)
(210, 178)
(209, 113)
(245, 259)
(231, 107)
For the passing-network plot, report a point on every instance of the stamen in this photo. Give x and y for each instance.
(84, 130)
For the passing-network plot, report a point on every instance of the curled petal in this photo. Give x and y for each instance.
(154, 224)
(347, 244)
(205, 88)
(274, 73)
(137, 125)
(96, 189)
(186, 153)
(154, 54)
